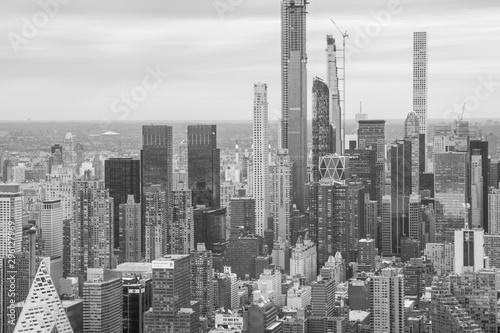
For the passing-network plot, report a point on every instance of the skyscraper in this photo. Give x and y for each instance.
(171, 292)
(156, 166)
(281, 184)
(333, 85)
(371, 135)
(451, 178)
(51, 225)
(294, 92)
(260, 158)
(321, 130)
(102, 306)
(401, 188)
(11, 219)
(43, 310)
(480, 175)
(420, 90)
(92, 229)
(156, 155)
(387, 302)
(122, 176)
(204, 165)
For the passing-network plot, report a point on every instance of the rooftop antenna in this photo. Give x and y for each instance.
(344, 36)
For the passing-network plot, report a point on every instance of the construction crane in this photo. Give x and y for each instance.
(344, 36)
(461, 116)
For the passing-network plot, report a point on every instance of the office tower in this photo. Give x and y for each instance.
(281, 178)
(469, 251)
(43, 310)
(242, 214)
(387, 302)
(171, 292)
(183, 155)
(303, 260)
(260, 158)
(51, 228)
(447, 314)
(417, 153)
(155, 222)
(494, 211)
(420, 83)
(356, 214)
(129, 217)
(480, 175)
(92, 229)
(137, 297)
(68, 151)
(415, 217)
(122, 176)
(332, 201)
(11, 219)
(103, 302)
(476, 291)
(333, 85)
(156, 166)
(180, 227)
(202, 290)
(366, 255)
(204, 165)
(240, 255)
(451, 193)
(294, 92)
(323, 297)
(371, 135)
(156, 155)
(401, 189)
(321, 131)
(362, 163)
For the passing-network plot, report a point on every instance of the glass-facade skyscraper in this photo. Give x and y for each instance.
(122, 176)
(156, 164)
(204, 165)
(294, 92)
(451, 179)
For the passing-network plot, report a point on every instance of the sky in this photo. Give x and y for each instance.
(198, 59)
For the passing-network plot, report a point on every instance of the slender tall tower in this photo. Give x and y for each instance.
(260, 157)
(294, 92)
(333, 85)
(321, 144)
(420, 87)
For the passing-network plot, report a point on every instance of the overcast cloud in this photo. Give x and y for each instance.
(93, 51)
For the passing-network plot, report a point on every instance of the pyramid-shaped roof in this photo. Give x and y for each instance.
(43, 311)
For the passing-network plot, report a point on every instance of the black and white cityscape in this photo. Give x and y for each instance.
(237, 166)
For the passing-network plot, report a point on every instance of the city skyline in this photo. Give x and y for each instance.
(86, 79)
